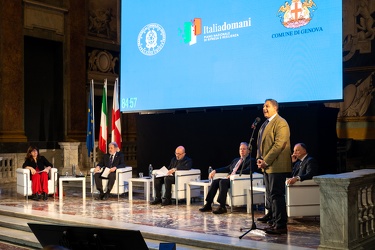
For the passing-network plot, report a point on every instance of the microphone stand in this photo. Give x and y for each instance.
(253, 225)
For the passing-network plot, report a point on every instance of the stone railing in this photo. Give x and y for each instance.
(347, 212)
(8, 165)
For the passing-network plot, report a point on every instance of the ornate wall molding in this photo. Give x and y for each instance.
(43, 16)
(102, 64)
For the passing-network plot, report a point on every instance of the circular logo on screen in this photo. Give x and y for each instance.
(151, 39)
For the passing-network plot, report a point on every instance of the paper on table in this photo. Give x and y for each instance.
(106, 172)
(162, 172)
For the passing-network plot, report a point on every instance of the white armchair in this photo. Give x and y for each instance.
(182, 177)
(121, 184)
(24, 181)
(239, 185)
(303, 199)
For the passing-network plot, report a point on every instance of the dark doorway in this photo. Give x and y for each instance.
(43, 90)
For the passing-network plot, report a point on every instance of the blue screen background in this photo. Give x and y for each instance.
(258, 63)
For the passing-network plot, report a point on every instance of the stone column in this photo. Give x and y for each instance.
(75, 58)
(343, 224)
(11, 72)
(70, 156)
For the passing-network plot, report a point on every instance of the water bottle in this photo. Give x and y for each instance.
(73, 170)
(150, 170)
(209, 172)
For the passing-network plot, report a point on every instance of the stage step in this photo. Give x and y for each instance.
(14, 229)
(19, 237)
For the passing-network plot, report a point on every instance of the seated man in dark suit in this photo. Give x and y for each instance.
(223, 184)
(305, 166)
(179, 162)
(113, 160)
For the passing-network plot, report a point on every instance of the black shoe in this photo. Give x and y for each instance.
(105, 196)
(155, 202)
(265, 218)
(206, 208)
(276, 230)
(270, 227)
(44, 196)
(166, 202)
(220, 210)
(271, 222)
(100, 196)
(36, 197)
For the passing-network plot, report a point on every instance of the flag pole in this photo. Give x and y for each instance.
(93, 118)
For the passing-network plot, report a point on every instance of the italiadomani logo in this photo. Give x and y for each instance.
(212, 32)
(151, 39)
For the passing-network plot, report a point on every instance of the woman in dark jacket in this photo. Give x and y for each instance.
(39, 168)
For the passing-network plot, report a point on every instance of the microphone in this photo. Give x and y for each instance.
(255, 123)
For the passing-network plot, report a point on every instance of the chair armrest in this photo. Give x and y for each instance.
(238, 177)
(188, 172)
(22, 170)
(220, 175)
(53, 174)
(182, 172)
(125, 169)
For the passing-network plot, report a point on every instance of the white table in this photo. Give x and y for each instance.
(72, 178)
(256, 190)
(203, 183)
(147, 183)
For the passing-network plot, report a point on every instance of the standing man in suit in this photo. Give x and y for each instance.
(273, 157)
(113, 160)
(305, 166)
(179, 162)
(223, 184)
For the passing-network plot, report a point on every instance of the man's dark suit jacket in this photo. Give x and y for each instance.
(184, 164)
(118, 161)
(249, 162)
(307, 169)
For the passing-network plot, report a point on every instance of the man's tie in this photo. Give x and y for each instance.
(260, 134)
(111, 160)
(297, 168)
(237, 166)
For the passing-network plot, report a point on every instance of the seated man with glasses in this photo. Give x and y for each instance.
(179, 162)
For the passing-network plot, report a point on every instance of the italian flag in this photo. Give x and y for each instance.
(103, 121)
